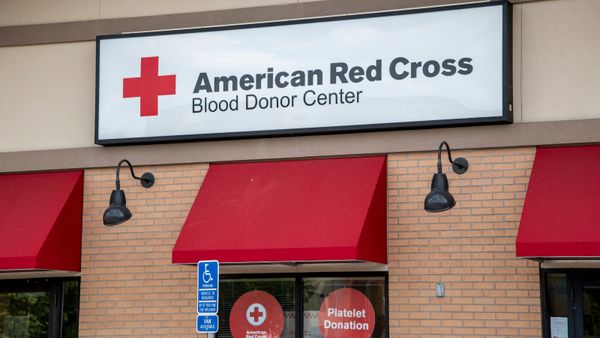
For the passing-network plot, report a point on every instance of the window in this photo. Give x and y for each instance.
(571, 303)
(35, 308)
(348, 305)
(261, 291)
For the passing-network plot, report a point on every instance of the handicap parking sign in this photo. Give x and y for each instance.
(208, 287)
(207, 323)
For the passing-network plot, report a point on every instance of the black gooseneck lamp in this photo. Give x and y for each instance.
(117, 211)
(440, 199)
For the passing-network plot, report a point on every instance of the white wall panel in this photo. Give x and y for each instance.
(47, 95)
(560, 53)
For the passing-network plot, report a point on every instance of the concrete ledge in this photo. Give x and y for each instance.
(476, 137)
(88, 30)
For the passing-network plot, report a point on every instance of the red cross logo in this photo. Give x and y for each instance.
(256, 314)
(149, 86)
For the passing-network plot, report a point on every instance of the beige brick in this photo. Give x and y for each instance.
(130, 288)
(489, 293)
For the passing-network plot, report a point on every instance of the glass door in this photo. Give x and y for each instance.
(587, 305)
(571, 303)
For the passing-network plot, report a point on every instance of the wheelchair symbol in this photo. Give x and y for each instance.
(206, 276)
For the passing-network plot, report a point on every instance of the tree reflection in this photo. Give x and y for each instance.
(24, 314)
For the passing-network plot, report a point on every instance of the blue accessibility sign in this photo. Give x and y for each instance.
(208, 287)
(207, 323)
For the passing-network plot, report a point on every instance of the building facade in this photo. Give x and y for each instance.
(506, 261)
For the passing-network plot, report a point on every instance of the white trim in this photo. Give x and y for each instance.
(302, 267)
(26, 274)
(571, 264)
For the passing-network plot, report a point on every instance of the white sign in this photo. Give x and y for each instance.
(559, 327)
(369, 72)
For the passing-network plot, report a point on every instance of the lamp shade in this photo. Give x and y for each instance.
(117, 211)
(439, 199)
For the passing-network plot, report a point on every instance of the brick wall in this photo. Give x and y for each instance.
(130, 288)
(471, 248)
(128, 285)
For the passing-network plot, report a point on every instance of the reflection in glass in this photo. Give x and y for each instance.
(70, 315)
(557, 301)
(556, 295)
(591, 311)
(24, 314)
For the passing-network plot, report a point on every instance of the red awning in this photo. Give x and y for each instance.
(40, 226)
(561, 217)
(288, 211)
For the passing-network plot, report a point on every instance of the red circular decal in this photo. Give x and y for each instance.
(346, 313)
(256, 314)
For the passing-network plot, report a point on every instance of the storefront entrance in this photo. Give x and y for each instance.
(328, 305)
(571, 303)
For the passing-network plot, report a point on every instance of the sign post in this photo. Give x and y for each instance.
(208, 297)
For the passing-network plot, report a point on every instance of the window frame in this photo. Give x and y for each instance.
(299, 290)
(544, 301)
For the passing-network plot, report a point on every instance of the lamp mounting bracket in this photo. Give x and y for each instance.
(459, 165)
(147, 179)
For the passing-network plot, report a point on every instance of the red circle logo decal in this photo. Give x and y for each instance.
(346, 313)
(256, 314)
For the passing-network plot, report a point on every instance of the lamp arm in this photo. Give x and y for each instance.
(118, 182)
(439, 163)
(459, 166)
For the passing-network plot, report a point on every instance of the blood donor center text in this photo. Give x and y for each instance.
(224, 93)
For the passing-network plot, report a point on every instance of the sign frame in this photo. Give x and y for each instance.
(214, 265)
(507, 111)
(212, 317)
